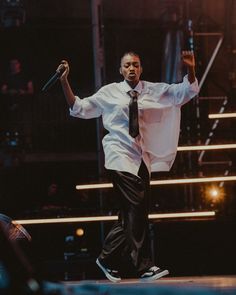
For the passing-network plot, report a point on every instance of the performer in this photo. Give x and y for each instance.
(143, 121)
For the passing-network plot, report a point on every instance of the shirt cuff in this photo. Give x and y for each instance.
(193, 86)
(76, 106)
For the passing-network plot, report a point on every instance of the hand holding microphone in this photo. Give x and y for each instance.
(61, 72)
(65, 66)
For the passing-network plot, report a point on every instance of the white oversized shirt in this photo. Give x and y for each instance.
(159, 107)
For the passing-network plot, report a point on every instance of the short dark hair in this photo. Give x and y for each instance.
(132, 53)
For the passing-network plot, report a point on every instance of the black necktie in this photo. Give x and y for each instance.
(133, 113)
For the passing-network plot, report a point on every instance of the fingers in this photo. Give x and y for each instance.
(188, 58)
(64, 63)
(187, 53)
(63, 68)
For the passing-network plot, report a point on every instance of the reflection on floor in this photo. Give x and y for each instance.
(166, 286)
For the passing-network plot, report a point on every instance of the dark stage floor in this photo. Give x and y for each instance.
(166, 286)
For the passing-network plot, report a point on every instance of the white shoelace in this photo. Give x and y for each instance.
(153, 268)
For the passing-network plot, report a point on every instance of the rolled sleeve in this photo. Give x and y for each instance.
(184, 92)
(193, 87)
(86, 108)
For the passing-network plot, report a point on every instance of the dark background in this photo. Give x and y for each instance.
(52, 147)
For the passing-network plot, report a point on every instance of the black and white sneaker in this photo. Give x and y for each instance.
(112, 275)
(153, 273)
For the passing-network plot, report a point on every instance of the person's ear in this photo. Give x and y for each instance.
(120, 71)
(141, 70)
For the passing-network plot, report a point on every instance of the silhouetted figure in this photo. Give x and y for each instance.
(17, 91)
(16, 81)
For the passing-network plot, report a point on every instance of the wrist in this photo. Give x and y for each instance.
(191, 74)
(64, 80)
(191, 69)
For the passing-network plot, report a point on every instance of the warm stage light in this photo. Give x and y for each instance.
(214, 194)
(207, 147)
(222, 116)
(79, 232)
(162, 182)
(193, 180)
(199, 214)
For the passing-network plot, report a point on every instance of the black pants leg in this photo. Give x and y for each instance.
(129, 235)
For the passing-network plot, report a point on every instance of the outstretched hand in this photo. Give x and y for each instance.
(188, 58)
(189, 62)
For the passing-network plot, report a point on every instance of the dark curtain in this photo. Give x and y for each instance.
(172, 71)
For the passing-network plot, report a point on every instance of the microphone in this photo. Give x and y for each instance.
(54, 78)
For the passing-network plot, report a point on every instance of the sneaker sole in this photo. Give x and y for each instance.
(155, 277)
(110, 278)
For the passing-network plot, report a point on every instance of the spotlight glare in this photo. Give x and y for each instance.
(214, 194)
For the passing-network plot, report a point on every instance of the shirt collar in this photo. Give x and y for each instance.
(127, 88)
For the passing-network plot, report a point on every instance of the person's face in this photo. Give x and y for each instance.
(131, 69)
(52, 189)
(15, 66)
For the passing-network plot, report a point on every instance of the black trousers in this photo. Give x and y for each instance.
(129, 235)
